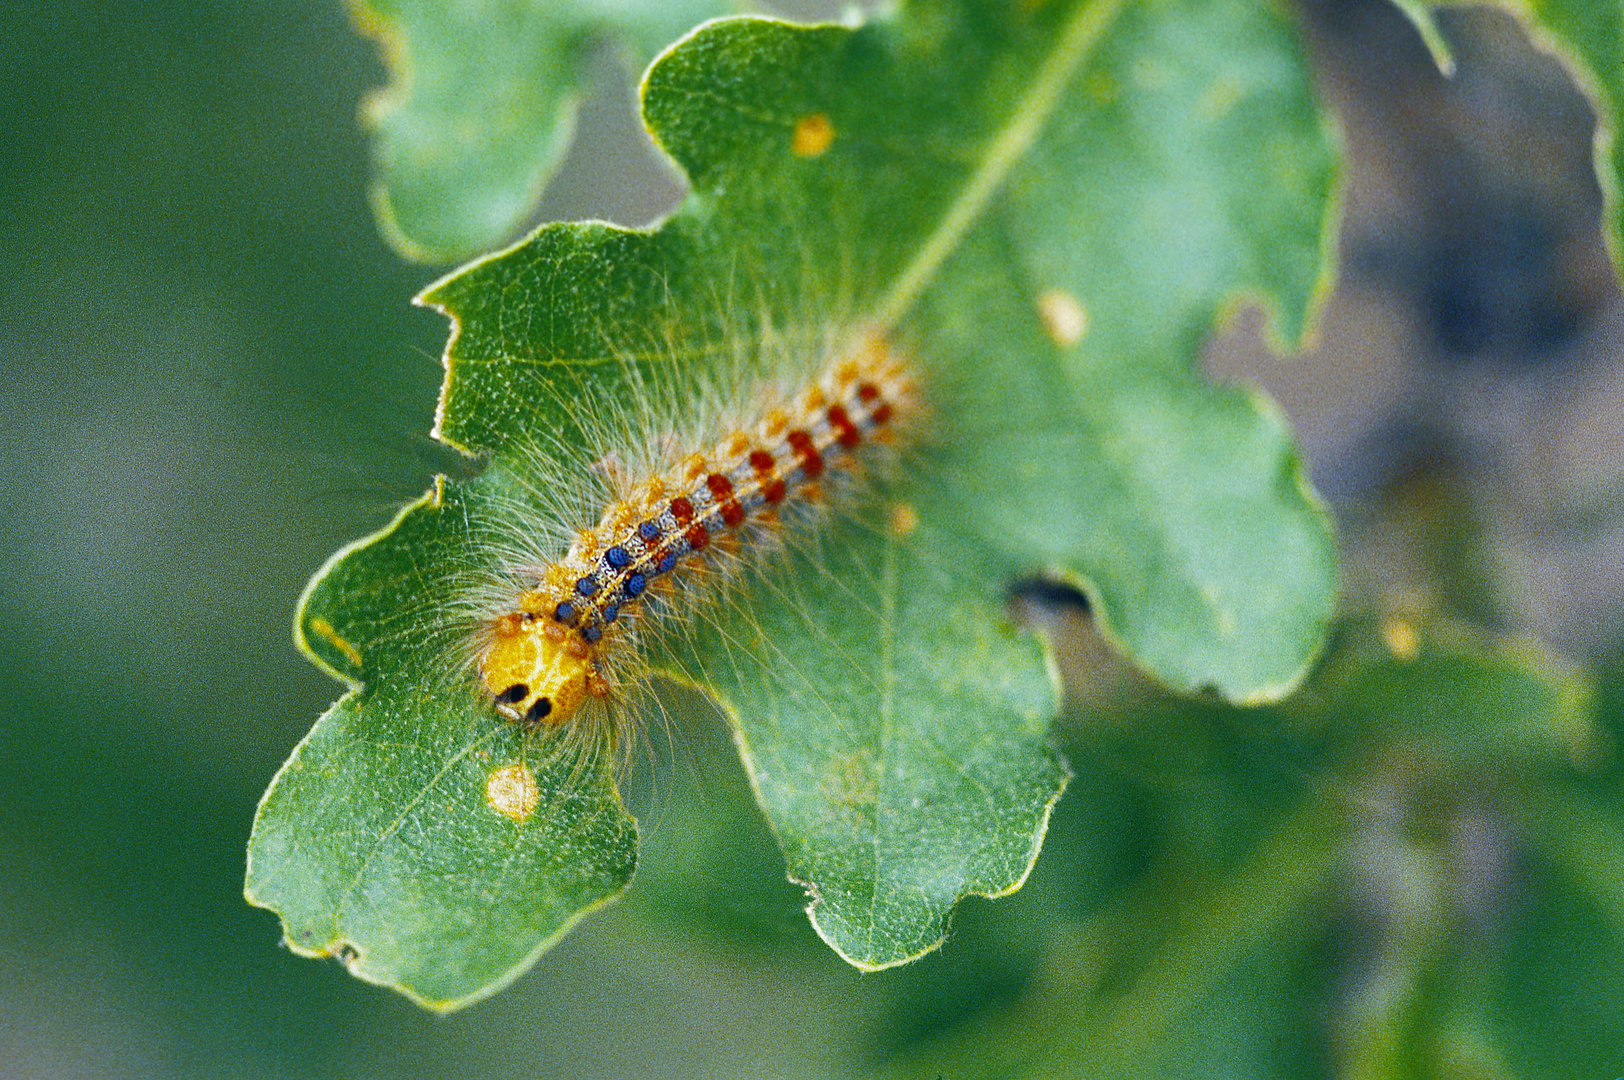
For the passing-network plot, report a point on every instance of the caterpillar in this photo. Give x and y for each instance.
(551, 652)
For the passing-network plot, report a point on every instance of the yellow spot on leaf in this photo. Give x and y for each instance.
(325, 631)
(1064, 317)
(512, 792)
(1401, 638)
(814, 134)
(904, 520)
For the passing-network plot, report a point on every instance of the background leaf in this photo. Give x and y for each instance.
(481, 106)
(1322, 888)
(427, 847)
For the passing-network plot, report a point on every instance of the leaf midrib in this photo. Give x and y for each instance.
(1079, 36)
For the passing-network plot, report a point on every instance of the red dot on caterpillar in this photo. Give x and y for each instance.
(552, 653)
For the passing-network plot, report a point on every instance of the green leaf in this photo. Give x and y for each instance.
(1455, 694)
(1366, 902)
(1110, 461)
(900, 755)
(1564, 935)
(481, 105)
(976, 182)
(1581, 836)
(429, 848)
(1553, 1007)
(1191, 979)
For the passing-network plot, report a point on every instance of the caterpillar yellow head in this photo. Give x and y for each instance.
(538, 672)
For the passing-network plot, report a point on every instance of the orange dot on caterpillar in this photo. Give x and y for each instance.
(547, 657)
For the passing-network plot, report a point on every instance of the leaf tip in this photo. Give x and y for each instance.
(934, 927)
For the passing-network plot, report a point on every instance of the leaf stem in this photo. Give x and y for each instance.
(1077, 41)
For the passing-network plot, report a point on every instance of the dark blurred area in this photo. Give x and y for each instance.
(1471, 353)
(214, 379)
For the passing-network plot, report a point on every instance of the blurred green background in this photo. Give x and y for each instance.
(215, 379)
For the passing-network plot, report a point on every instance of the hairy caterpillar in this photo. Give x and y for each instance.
(553, 650)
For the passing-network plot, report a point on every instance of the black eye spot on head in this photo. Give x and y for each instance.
(537, 711)
(517, 692)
